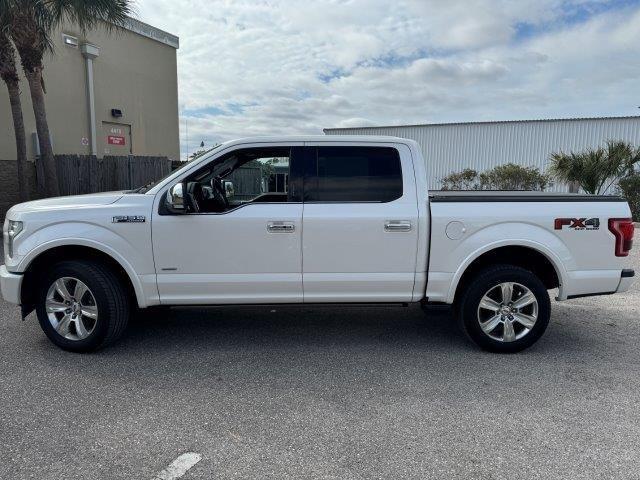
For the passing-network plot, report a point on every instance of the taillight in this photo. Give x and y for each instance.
(622, 229)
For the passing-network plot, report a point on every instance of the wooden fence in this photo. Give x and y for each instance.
(247, 182)
(78, 174)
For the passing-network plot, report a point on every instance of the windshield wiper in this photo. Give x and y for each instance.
(143, 189)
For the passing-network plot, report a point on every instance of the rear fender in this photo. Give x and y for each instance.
(523, 235)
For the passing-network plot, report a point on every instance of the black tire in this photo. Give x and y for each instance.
(111, 300)
(475, 290)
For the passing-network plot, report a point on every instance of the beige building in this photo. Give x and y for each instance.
(108, 93)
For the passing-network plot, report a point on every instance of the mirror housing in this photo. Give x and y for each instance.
(174, 199)
(229, 191)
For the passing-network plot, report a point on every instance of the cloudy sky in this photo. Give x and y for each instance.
(258, 67)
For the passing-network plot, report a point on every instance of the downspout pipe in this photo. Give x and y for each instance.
(91, 52)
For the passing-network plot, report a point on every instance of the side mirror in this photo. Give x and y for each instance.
(174, 200)
(229, 191)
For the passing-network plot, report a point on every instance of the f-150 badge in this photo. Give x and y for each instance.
(129, 219)
(577, 223)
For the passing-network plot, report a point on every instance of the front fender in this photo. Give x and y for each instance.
(139, 269)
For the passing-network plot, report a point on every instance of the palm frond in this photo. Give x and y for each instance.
(88, 14)
(595, 170)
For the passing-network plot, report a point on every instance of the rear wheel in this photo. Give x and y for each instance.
(81, 305)
(505, 309)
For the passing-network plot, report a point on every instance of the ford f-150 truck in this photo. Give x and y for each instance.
(311, 220)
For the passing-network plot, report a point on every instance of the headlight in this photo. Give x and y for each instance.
(13, 229)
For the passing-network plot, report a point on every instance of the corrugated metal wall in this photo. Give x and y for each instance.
(450, 148)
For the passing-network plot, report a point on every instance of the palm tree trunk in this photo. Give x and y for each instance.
(21, 139)
(9, 74)
(34, 77)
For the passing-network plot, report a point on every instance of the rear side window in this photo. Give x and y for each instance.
(354, 174)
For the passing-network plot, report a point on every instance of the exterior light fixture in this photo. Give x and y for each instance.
(69, 41)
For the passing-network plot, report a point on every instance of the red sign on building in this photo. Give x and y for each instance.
(115, 140)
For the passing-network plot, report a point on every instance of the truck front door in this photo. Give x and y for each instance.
(242, 244)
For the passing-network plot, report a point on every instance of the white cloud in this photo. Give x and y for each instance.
(296, 66)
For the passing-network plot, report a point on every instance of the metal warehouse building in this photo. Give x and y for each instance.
(452, 147)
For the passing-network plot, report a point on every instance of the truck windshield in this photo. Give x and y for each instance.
(148, 186)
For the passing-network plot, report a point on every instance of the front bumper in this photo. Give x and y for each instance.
(10, 285)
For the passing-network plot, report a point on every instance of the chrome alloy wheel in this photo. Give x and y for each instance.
(71, 308)
(507, 312)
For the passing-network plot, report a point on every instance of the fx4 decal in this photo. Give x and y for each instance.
(577, 223)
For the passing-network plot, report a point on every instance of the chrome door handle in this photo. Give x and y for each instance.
(397, 226)
(280, 227)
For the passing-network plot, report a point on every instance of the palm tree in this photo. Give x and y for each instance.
(595, 170)
(31, 26)
(9, 75)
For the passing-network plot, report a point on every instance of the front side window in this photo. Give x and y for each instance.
(251, 175)
(354, 174)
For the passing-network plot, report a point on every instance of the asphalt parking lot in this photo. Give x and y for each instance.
(332, 392)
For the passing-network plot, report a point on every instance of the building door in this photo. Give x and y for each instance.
(116, 139)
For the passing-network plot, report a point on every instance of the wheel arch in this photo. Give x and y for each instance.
(79, 250)
(529, 255)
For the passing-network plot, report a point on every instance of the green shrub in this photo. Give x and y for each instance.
(630, 189)
(513, 177)
(503, 177)
(467, 179)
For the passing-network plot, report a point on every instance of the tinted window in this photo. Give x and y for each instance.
(355, 174)
(252, 175)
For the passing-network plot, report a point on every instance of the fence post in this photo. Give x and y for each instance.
(130, 173)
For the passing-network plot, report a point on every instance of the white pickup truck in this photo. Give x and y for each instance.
(309, 220)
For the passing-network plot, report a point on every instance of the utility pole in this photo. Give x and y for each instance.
(186, 122)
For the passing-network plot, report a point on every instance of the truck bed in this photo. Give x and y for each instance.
(515, 196)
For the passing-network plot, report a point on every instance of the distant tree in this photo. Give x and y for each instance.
(630, 189)
(595, 170)
(202, 151)
(467, 179)
(513, 177)
(503, 177)
(197, 154)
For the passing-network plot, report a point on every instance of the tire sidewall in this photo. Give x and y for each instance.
(481, 285)
(73, 269)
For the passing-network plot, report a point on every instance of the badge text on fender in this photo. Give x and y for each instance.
(577, 223)
(129, 219)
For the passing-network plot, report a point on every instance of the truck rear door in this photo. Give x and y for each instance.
(360, 223)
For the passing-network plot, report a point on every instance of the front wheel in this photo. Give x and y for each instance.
(81, 305)
(505, 309)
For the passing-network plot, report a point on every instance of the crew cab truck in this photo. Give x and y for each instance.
(311, 220)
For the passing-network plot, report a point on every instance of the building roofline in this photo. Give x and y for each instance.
(332, 129)
(136, 26)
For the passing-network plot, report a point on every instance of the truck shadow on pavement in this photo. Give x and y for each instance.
(294, 327)
(324, 330)
(339, 330)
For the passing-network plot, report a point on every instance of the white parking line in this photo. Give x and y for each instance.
(179, 466)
